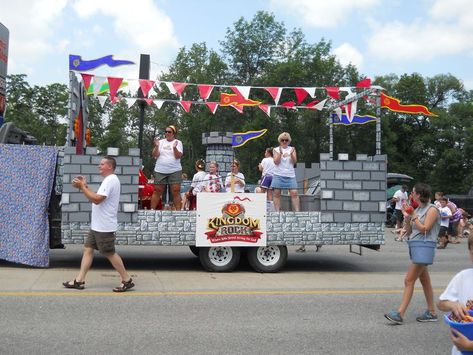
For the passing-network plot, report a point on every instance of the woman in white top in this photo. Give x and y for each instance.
(238, 178)
(267, 169)
(168, 169)
(284, 176)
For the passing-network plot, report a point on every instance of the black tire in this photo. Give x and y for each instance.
(194, 250)
(271, 258)
(219, 259)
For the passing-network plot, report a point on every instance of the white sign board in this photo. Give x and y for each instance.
(230, 219)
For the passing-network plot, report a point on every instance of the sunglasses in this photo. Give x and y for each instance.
(284, 140)
(168, 131)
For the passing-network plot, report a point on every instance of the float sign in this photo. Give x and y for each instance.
(3, 69)
(230, 219)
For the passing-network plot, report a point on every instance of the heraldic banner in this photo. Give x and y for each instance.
(230, 219)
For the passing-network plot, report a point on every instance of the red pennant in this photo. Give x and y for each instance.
(289, 104)
(114, 99)
(204, 91)
(149, 101)
(311, 104)
(365, 83)
(265, 108)
(301, 94)
(333, 92)
(146, 86)
(186, 105)
(179, 87)
(275, 93)
(86, 78)
(114, 85)
(238, 108)
(212, 106)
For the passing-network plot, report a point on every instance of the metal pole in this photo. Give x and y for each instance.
(378, 123)
(144, 74)
(330, 127)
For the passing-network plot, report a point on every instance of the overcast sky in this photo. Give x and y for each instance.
(380, 37)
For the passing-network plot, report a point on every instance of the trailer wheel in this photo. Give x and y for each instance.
(219, 259)
(267, 259)
(194, 250)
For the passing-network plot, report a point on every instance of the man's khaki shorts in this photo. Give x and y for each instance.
(104, 242)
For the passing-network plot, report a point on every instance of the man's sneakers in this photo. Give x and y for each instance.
(427, 316)
(394, 317)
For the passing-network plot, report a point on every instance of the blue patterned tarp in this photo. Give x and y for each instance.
(26, 182)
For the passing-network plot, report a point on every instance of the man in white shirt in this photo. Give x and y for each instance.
(400, 197)
(103, 225)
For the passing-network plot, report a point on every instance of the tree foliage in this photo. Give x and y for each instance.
(262, 52)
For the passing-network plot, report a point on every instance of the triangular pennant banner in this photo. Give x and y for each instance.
(338, 111)
(266, 109)
(179, 87)
(152, 92)
(212, 106)
(170, 87)
(205, 91)
(86, 78)
(102, 100)
(149, 101)
(133, 86)
(186, 105)
(242, 90)
(310, 91)
(114, 84)
(320, 105)
(333, 92)
(130, 101)
(146, 86)
(159, 103)
(98, 82)
(311, 104)
(275, 93)
(301, 94)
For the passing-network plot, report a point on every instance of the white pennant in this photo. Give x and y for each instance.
(98, 81)
(102, 100)
(310, 91)
(320, 105)
(338, 111)
(133, 85)
(158, 103)
(170, 87)
(152, 92)
(130, 101)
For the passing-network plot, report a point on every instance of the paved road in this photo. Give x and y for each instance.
(329, 302)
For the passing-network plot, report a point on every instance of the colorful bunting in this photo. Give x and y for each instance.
(301, 94)
(179, 88)
(395, 105)
(205, 91)
(275, 93)
(333, 92)
(212, 106)
(242, 90)
(145, 86)
(114, 84)
(266, 109)
(186, 105)
(240, 139)
(365, 83)
(86, 78)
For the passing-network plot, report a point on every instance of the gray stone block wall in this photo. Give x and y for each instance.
(357, 189)
(75, 206)
(219, 149)
(284, 228)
